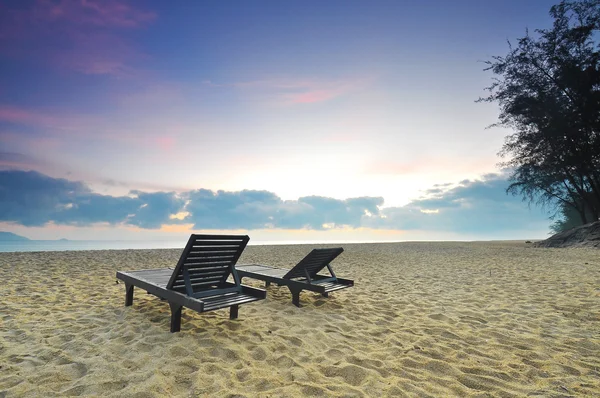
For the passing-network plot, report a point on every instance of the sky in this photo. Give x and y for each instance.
(289, 121)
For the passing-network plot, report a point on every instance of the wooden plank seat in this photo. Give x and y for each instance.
(303, 276)
(199, 280)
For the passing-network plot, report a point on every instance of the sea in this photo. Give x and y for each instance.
(64, 245)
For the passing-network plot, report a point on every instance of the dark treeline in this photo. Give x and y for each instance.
(548, 89)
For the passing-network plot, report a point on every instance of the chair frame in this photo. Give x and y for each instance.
(299, 277)
(201, 286)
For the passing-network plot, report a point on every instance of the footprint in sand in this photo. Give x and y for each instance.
(258, 354)
(351, 374)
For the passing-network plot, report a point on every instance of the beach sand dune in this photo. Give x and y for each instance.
(479, 319)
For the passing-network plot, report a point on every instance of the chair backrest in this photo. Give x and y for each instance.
(206, 263)
(314, 262)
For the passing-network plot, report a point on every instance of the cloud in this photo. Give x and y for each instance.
(32, 199)
(13, 160)
(473, 207)
(104, 13)
(86, 36)
(54, 127)
(13, 114)
(87, 209)
(27, 162)
(224, 210)
(288, 91)
(66, 122)
(329, 212)
(98, 53)
(156, 209)
(249, 209)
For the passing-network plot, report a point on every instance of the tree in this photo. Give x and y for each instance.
(567, 218)
(548, 89)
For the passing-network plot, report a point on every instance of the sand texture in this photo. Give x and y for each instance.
(424, 320)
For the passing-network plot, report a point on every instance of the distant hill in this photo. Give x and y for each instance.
(587, 235)
(9, 236)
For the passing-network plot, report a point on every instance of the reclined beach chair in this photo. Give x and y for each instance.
(199, 281)
(304, 276)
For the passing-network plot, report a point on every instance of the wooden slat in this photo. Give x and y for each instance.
(210, 255)
(226, 300)
(208, 274)
(199, 282)
(208, 259)
(201, 262)
(272, 272)
(202, 272)
(158, 276)
(153, 276)
(207, 268)
(336, 287)
(222, 298)
(253, 267)
(217, 291)
(204, 243)
(198, 276)
(239, 301)
(165, 271)
(199, 287)
(315, 261)
(161, 271)
(196, 250)
(220, 236)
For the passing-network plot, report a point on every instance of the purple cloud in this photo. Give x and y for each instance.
(85, 36)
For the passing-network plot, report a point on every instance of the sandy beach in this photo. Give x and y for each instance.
(481, 319)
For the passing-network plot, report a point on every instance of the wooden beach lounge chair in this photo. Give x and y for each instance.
(303, 276)
(199, 280)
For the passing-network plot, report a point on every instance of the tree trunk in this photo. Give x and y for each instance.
(582, 215)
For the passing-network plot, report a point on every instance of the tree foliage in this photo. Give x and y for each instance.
(568, 218)
(548, 89)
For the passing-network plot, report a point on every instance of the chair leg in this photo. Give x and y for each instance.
(175, 317)
(233, 311)
(267, 283)
(296, 296)
(128, 295)
(326, 294)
